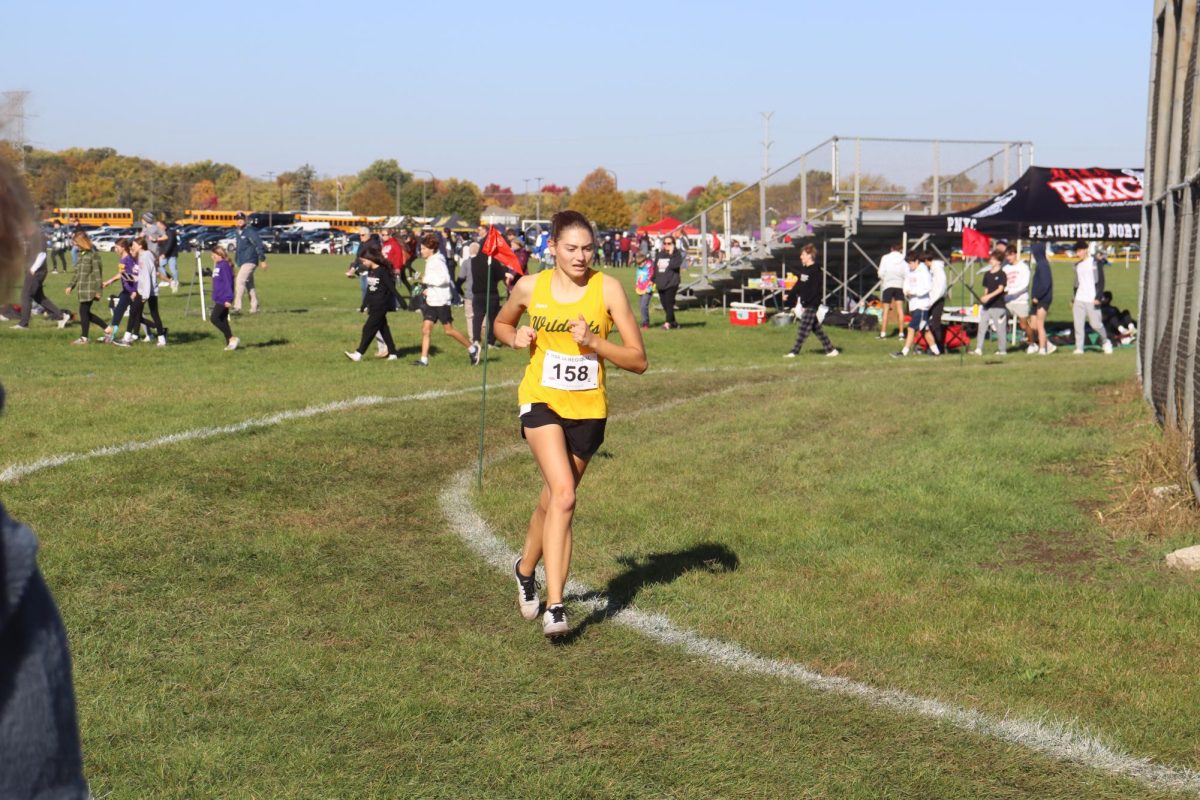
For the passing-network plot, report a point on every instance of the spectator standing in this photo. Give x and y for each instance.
(667, 265)
(87, 283)
(486, 276)
(154, 235)
(918, 283)
(892, 271)
(58, 248)
(33, 290)
(644, 286)
(808, 291)
(168, 260)
(1041, 297)
(222, 296)
(1089, 289)
(1016, 295)
(396, 255)
(992, 309)
(436, 305)
(250, 255)
(937, 296)
(626, 245)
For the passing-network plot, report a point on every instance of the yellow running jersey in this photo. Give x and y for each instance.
(561, 374)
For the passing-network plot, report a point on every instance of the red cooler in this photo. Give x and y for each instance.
(747, 314)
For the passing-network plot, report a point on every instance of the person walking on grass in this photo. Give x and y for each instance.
(222, 296)
(86, 284)
(145, 296)
(250, 255)
(938, 286)
(487, 274)
(58, 247)
(1016, 295)
(992, 310)
(379, 299)
(33, 290)
(892, 271)
(436, 306)
(1041, 296)
(1089, 289)
(563, 405)
(667, 266)
(918, 284)
(127, 274)
(808, 290)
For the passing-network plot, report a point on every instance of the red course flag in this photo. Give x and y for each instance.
(976, 244)
(495, 246)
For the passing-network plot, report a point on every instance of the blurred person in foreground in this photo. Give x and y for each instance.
(40, 755)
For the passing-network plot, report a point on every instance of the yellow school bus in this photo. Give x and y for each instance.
(346, 223)
(224, 219)
(113, 217)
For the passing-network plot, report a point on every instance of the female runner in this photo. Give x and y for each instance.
(572, 309)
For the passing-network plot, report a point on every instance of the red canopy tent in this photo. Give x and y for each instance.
(666, 225)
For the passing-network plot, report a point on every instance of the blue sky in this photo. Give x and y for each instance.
(506, 91)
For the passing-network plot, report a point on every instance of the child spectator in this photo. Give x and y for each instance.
(644, 285)
(380, 298)
(222, 296)
(992, 305)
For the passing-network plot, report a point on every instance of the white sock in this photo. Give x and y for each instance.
(904, 350)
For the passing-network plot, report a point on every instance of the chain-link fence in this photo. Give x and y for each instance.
(1169, 333)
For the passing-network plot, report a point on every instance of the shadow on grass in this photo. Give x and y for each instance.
(187, 337)
(276, 342)
(656, 568)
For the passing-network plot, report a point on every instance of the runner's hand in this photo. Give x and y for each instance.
(524, 337)
(580, 332)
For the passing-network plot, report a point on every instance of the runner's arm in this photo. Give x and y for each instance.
(510, 314)
(631, 353)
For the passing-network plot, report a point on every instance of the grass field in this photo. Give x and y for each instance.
(286, 611)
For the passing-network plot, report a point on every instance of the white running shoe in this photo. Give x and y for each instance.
(527, 596)
(174, 287)
(393, 357)
(790, 354)
(1078, 351)
(1033, 348)
(64, 322)
(554, 621)
(1050, 348)
(833, 353)
(233, 343)
(474, 354)
(162, 341)
(353, 355)
(976, 352)
(1108, 348)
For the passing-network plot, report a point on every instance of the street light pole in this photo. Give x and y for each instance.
(431, 178)
(539, 198)
(662, 208)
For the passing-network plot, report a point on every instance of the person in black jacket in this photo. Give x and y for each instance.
(809, 289)
(379, 298)
(486, 276)
(667, 265)
(168, 257)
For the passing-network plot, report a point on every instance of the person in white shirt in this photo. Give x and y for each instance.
(918, 284)
(435, 306)
(937, 297)
(892, 271)
(1089, 288)
(1016, 294)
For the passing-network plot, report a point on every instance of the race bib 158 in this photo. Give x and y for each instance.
(570, 373)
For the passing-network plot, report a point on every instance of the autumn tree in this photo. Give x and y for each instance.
(203, 195)
(458, 197)
(495, 194)
(597, 199)
(373, 198)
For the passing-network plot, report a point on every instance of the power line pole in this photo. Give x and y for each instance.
(12, 118)
(539, 197)
(762, 184)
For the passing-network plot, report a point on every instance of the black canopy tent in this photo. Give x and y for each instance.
(1050, 203)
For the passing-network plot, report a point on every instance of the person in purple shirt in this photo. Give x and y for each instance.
(222, 295)
(127, 274)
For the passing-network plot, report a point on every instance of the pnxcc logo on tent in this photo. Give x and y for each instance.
(1091, 188)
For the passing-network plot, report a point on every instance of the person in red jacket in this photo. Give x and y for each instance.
(397, 256)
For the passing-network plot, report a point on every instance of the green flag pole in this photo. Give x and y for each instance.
(483, 337)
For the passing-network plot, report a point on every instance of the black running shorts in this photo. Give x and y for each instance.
(584, 436)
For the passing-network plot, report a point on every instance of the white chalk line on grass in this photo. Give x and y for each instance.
(18, 471)
(1057, 740)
